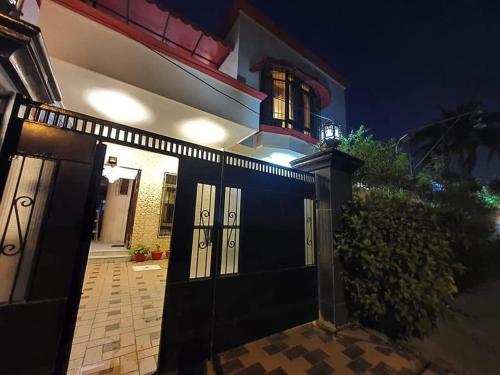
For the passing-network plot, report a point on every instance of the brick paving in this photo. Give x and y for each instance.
(307, 349)
(119, 323)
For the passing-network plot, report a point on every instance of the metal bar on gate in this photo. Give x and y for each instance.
(28, 225)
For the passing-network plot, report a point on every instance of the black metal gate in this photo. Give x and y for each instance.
(44, 226)
(242, 261)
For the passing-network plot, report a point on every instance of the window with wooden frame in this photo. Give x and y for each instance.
(291, 103)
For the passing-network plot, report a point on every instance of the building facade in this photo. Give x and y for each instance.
(125, 127)
(146, 67)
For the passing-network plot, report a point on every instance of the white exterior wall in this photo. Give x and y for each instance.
(256, 43)
(230, 64)
(86, 53)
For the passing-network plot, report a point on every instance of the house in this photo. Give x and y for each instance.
(133, 129)
(166, 65)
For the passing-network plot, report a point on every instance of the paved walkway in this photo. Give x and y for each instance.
(119, 319)
(309, 350)
(119, 324)
(468, 344)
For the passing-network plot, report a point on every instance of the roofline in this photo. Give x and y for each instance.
(263, 20)
(194, 25)
(155, 44)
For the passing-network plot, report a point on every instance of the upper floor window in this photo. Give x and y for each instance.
(291, 103)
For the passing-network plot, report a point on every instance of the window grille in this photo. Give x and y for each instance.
(309, 231)
(231, 231)
(201, 251)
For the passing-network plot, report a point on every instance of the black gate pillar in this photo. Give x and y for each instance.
(333, 171)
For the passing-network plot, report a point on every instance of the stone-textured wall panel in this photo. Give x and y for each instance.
(147, 214)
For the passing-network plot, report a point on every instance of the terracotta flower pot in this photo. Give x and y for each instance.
(140, 257)
(167, 254)
(156, 255)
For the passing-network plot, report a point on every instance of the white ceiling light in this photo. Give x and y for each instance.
(280, 158)
(203, 131)
(115, 172)
(117, 105)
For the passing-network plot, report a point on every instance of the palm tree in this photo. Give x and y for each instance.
(458, 138)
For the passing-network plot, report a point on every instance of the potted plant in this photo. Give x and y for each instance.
(156, 254)
(139, 252)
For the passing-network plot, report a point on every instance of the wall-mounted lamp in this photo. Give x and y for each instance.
(112, 160)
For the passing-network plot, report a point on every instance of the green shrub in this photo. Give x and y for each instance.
(383, 167)
(397, 259)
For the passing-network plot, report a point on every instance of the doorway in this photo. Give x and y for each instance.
(115, 210)
(121, 308)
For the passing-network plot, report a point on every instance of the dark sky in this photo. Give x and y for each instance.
(404, 58)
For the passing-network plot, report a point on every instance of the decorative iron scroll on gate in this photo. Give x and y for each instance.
(201, 252)
(231, 231)
(108, 131)
(21, 211)
(11, 249)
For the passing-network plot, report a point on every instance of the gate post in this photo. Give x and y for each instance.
(333, 170)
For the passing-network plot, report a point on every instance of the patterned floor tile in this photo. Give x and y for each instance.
(275, 348)
(321, 368)
(359, 365)
(231, 366)
(277, 371)
(353, 351)
(236, 352)
(405, 371)
(295, 352)
(112, 319)
(382, 369)
(383, 349)
(315, 356)
(277, 337)
(346, 340)
(255, 369)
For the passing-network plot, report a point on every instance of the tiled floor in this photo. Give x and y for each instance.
(310, 350)
(119, 320)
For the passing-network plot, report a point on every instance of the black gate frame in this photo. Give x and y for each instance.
(288, 289)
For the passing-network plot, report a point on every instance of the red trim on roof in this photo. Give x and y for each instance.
(148, 40)
(285, 131)
(245, 7)
(158, 21)
(320, 89)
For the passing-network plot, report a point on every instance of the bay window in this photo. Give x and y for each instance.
(291, 103)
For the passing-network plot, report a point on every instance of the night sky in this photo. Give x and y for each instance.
(404, 59)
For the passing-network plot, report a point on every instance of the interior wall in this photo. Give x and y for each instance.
(147, 213)
(114, 220)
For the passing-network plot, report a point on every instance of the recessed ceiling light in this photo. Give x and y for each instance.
(117, 106)
(280, 158)
(203, 131)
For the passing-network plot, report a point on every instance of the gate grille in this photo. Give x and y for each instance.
(22, 208)
(108, 131)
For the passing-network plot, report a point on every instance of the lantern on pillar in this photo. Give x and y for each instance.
(330, 133)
